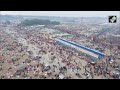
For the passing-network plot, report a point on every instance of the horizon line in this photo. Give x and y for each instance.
(60, 16)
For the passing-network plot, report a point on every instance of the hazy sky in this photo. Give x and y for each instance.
(64, 13)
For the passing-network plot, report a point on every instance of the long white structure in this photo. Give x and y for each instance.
(81, 48)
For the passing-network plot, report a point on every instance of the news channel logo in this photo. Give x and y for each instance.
(112, 19)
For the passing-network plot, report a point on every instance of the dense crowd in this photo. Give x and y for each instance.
(39, 59)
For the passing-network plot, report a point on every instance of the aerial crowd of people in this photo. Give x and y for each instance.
(37, 58)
